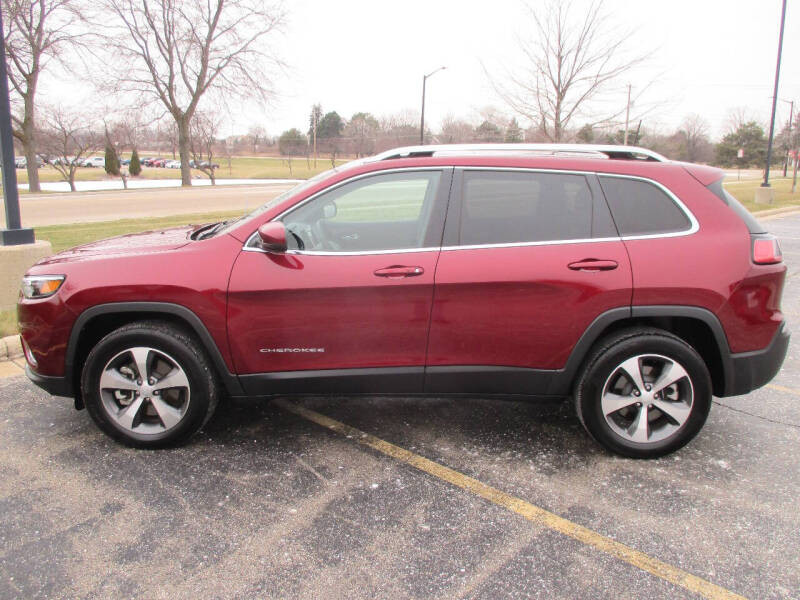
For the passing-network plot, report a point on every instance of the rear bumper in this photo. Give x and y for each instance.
(57, 386)
(751, 370)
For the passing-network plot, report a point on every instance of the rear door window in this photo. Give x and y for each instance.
(507, 207)
(642, 208)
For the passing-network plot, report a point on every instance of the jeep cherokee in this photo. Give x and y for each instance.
(634, 285)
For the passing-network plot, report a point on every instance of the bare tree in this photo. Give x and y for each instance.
(398, 129)
(572, 59)
(127, 131)
(740, 116)
(694, 137)
(456, 131)
(361, 132)
(203, 139)
(175, 51)
(35, 32)
(257, 135)
(67, 139)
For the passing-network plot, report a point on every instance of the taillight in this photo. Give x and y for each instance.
(766, 250)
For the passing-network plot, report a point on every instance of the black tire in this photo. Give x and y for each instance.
(165, 344)
(603, 374)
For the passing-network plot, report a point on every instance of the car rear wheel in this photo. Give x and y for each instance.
(643, 393)
(149, 384)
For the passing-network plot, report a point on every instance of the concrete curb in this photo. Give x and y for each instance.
(776, 211)
(10, 347)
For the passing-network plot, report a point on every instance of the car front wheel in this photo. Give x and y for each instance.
(643, 393)
(149, 384)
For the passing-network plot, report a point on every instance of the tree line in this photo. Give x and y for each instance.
(743, 145)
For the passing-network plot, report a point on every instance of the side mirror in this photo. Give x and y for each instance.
(273, 237)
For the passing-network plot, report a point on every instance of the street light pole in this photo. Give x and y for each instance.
(13, 234)
(775, 97)
(422, 118)
(791, 117)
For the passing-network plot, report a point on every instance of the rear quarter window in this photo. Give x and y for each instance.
(642, 208)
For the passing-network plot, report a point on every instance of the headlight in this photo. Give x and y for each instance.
(41, 286)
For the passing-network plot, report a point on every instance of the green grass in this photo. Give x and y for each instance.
(240, 168)
(63, 237)
(745, 193)
(8, 322)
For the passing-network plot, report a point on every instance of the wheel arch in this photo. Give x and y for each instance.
(697, 326)
(96, 322)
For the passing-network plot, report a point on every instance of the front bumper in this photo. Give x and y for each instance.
(751, 370)
(57, 386)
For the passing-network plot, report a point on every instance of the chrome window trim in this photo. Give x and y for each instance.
(693, 228)
(329, 253)
(694, 225)
(524, 244)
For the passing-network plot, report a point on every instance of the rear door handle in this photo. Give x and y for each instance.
(399, 271)
(593, 265)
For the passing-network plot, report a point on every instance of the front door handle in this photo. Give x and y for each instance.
(399, 271)
(593, 265)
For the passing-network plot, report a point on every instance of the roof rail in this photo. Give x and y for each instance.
(587, 150)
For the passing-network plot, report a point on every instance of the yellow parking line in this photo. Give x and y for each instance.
(521, 507)
(783, 388)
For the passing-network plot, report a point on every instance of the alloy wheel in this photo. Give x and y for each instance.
(647, 398)
(144, 391)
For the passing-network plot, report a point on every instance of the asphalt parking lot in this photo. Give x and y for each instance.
(446, 498)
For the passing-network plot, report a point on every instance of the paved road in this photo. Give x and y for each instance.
(81, 207)
(265, 503)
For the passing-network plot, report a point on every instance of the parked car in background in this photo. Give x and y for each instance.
(67, 160)
(21, 162)
(95, 161)
(172, 164)
(635, 286)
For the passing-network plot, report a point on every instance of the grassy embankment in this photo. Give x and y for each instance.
(67, 236)
(745, 192)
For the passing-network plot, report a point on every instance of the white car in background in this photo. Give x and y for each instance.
(172, 164)
(95, 161)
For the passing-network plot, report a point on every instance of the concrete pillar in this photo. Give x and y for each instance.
(14, 261)
(765, 195)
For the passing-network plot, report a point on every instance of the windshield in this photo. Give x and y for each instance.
(299, 188)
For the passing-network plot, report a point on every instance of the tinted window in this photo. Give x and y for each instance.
(513, 207)
(382, 212)
(641, 208)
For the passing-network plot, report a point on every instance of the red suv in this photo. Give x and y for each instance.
(634, 285)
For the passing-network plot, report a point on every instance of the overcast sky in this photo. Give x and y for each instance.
(708, 57)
